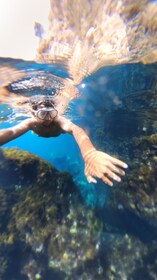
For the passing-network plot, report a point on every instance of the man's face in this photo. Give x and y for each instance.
(45, 113)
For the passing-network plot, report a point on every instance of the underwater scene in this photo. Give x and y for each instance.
(78, 155)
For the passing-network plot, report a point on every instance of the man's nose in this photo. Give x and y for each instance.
(48, 116)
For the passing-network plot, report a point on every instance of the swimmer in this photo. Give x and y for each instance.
(45, 121)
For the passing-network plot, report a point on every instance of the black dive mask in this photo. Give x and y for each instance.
(46, 114)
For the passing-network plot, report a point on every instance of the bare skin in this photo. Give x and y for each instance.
(97, 164)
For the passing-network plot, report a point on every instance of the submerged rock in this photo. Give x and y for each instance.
(46, 232)
(128, 258)
(130, 214)
(43, 221)
(21, 168)
(138, 190)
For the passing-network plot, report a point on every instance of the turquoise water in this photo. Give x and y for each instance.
(112, 233)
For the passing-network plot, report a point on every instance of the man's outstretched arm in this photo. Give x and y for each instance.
(8, 134)
(97, 164)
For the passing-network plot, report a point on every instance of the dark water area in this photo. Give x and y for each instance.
(66, 228)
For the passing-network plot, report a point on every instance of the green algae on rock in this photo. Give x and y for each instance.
(80, 232)
(129, 258)
(22, 168)
(44, 221)
(138, 190)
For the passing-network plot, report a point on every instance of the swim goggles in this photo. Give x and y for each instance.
(45, 114)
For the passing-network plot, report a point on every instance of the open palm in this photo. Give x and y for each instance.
(104, 167)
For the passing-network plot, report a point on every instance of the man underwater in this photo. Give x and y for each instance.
(46, 122)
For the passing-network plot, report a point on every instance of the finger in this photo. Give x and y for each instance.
(116, 169)
(107, 181)
(107, 172)
(113, 176)
(95, 171)
(90, 179)
(89, 171)
(119, 162)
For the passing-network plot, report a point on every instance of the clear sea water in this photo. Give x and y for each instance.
(117, 107)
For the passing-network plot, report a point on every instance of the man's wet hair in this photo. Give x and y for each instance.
(37, 100)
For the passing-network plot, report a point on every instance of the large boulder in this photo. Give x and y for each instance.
(43, 221)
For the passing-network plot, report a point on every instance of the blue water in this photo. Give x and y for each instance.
(63, 152)
(114, 103)
(101, 94)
